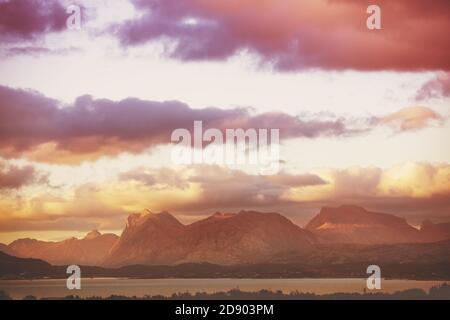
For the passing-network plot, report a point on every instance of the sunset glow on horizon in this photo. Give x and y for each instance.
(86, 115)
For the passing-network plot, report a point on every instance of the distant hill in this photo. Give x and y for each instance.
(352, 224)
(20, 267)
(91, 250)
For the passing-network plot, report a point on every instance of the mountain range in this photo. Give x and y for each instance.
(247, 237)
(91, 250)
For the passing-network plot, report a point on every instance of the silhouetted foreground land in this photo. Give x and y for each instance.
(441, 292)
(315, 267)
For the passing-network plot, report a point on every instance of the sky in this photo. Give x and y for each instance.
(86, 114)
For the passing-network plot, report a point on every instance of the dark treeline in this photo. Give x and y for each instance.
(441, 292)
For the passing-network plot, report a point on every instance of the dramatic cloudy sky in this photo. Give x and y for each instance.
(86, 115)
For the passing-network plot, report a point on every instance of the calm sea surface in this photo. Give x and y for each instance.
(104, 287)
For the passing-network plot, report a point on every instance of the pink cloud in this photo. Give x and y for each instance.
(26, 19)
(298, 34)
(435, 88)
(14, 177)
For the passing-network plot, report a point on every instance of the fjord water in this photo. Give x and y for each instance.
(104, 287)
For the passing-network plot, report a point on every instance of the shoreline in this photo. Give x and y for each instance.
(439, 291)
(222, 278)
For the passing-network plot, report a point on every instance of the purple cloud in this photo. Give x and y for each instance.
(14, 177)
(435, 88)
(26, 19)
(95, 127)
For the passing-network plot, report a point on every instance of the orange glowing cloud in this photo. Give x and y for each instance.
(199, 190)
(410, 180)
(412, 118)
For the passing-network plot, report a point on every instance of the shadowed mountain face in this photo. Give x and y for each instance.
(91, 250)
(149, 239)
(352, 224)
(435, 231)
(245, 237)
(3, 248)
